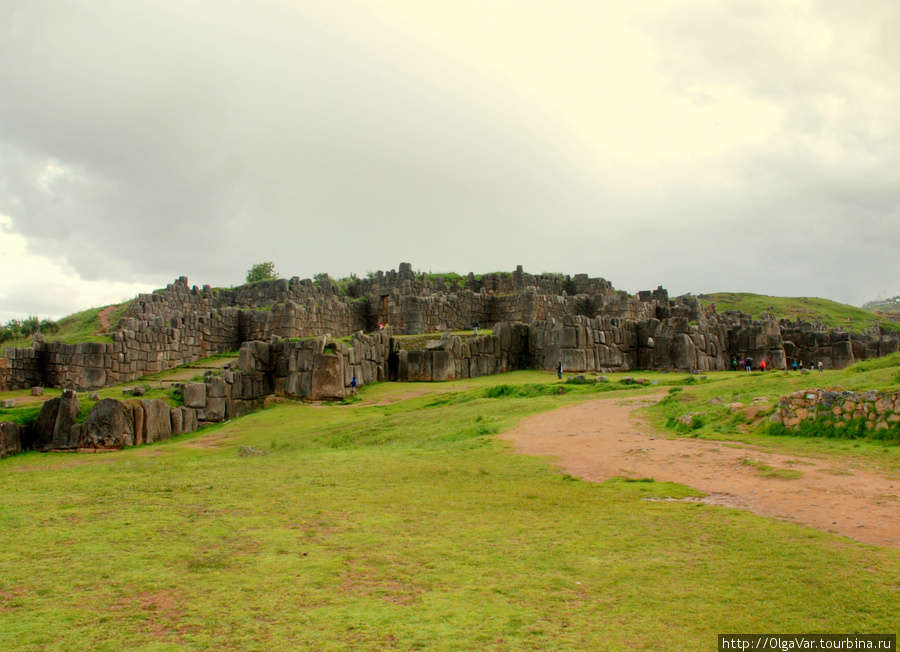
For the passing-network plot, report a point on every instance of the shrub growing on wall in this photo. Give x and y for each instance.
(262, 272)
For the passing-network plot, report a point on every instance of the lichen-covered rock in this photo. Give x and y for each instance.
(110, 424)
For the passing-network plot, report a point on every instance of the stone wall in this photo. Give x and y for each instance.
(836, 349)
(139, 347)
(4, 375)
(580, 321)
(114, 424)
(314, 369)
(452, 357)
(875, 411)
(583, 344)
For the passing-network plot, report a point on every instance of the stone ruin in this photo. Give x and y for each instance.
(308, 340)
(872, 410)
(540, 320)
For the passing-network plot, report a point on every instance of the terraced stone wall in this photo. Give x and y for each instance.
(836, 349)
(580, 321)
(453, 357)
(313, 368)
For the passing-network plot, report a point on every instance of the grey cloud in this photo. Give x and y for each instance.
(199, 138)
(188, 131)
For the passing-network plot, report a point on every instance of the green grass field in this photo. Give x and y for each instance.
(400, 523)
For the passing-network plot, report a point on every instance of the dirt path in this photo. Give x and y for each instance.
(602, 439)
(104, 318)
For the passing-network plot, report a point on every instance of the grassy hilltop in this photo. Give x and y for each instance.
(85, 326)
(398, 521)
(810, 309)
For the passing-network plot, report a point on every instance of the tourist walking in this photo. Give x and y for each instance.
(559, 370)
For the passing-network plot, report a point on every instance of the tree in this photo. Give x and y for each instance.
(262, 272)
(31, 325)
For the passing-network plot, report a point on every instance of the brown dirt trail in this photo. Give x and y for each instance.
(103, 315)
(602, 439)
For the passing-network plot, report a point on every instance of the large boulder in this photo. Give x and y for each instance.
(157, 420)
(42, 430)
(109, 425)
(63, 436)
(137, 411)
(328, 378)
(195, 395)
(215, 387)
(188, 419)
(215, 409)
(10, 438)
(443, 365)
(177, 417)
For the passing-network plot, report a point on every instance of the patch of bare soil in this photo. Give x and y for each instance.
(104, 319)
(396, 397)
(213, 441)
(602, 439)
(24, 400)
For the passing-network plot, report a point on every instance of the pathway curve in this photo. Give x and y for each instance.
(602, 439)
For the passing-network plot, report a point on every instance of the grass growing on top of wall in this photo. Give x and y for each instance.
(84, 326)
(399, 526)
(830, 313)
(448, 277)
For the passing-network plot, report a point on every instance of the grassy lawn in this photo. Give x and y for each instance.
(759, 394)
(398, 523)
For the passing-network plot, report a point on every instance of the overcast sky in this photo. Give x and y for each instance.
(702, 145)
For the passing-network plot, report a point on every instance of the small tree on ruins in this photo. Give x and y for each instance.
(262, 272)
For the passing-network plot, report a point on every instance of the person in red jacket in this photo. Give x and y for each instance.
(762, 365)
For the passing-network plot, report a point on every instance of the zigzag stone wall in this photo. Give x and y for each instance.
(579, 321)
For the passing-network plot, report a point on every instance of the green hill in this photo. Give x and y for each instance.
(889, 308)
(85, 326)
(830, 313)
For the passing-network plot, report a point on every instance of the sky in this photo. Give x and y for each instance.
(701, 145)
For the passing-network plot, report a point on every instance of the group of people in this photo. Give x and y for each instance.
(812, 365)
(746, 363)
